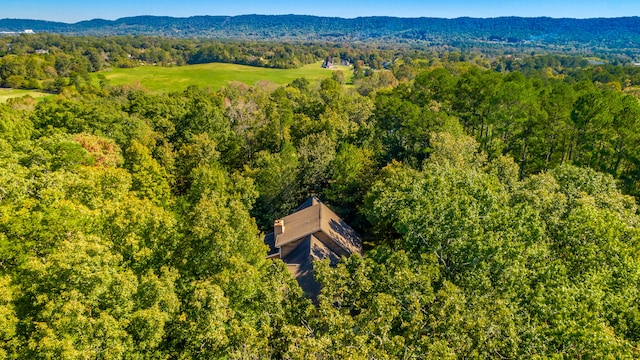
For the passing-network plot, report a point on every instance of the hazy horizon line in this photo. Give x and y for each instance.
(324, 16)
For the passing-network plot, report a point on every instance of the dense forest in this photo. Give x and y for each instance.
(602, 35)
(497, 197)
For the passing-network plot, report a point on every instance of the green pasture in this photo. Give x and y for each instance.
(214, 75)
(6, 94)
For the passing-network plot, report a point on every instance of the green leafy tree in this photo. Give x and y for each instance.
(149, 179)
(8, 319)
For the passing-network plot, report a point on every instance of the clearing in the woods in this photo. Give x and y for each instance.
(214, 75)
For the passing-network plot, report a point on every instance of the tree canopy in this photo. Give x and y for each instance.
(498, 206)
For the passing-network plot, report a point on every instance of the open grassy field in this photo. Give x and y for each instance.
(215, 75)
(6, 94)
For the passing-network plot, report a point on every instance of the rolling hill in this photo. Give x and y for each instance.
(599, 33)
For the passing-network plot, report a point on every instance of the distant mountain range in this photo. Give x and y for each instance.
(595, 34)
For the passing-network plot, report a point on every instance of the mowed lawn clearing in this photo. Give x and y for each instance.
(6, 94)
(214, 75)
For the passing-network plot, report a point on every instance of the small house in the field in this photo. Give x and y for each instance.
(327, 63)
(312, 232)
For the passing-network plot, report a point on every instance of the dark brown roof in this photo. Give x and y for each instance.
(270, 241)
(300, 263)
(312, 232)
(316, 217)
(308, 203)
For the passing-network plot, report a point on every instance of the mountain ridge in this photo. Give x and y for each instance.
(596, 33)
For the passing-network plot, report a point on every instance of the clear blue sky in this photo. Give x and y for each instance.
(73, 11)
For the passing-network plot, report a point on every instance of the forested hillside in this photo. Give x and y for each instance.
(585, 35)
(497, 198)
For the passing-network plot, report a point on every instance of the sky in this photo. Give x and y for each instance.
(74, 11)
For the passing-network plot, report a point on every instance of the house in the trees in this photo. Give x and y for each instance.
(327, 63)
(312, 232)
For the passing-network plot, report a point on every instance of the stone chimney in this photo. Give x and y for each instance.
(278, 228)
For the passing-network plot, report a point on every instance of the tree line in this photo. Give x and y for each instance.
(51, 62)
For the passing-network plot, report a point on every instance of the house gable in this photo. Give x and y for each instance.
(312, 232)
(314, 217)
(299, 225)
